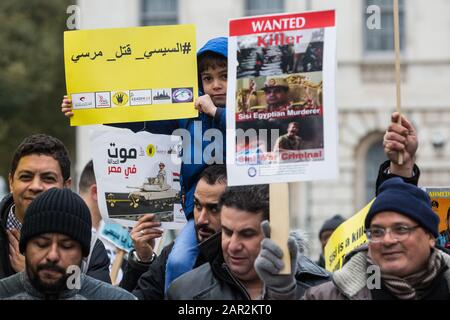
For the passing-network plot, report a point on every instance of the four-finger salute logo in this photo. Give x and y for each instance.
(120, 98)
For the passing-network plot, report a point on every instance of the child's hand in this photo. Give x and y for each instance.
(66, 107)
(206, 105)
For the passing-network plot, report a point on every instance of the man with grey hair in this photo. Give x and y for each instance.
(401, 260)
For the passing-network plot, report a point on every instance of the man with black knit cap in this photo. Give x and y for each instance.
(401, 228)
(40, 162)
(325, 233)
(55, 237)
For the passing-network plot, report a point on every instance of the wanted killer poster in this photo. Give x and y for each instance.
(281, 108)
(440, 203)
(136, 174)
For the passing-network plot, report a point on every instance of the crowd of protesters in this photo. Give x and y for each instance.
(49, 248)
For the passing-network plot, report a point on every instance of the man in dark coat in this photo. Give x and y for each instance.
(55, 236)
(325, 233)
(401, 261)
(237, 268)
(40, 162)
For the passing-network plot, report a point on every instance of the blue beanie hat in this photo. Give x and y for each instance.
(406, 199)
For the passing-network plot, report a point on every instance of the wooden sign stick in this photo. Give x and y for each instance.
(116, 265)
(279, 220)
(398, 77)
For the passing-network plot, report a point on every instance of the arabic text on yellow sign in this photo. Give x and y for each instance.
(131, 74)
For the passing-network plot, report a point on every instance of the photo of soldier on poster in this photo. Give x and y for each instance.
(136, 174)
(282, 98)
(270, 104)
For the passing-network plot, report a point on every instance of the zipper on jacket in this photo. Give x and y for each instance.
(239, 284)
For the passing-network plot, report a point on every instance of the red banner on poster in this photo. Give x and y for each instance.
(270, 24)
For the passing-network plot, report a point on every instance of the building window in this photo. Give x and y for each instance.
(382, 40)
(159, 12)
(259, 7)
(369, 154)
(374, 157)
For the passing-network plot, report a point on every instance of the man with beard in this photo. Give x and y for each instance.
(145, 273)
(55, 237)
(39, 163)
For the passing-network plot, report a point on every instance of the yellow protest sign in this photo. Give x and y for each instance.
(440, 203)
(131, 74)
(347, 237)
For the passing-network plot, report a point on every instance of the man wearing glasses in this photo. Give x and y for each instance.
(402, 230)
